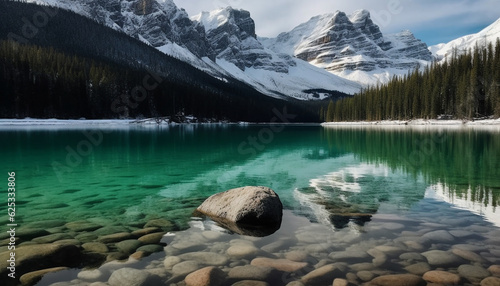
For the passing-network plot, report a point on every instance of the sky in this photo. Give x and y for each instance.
(433, 21)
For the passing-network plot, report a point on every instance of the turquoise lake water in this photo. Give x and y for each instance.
(341, 178)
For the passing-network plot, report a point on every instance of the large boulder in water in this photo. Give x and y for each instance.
(245, 208)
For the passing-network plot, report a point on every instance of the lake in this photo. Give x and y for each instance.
(365, 201)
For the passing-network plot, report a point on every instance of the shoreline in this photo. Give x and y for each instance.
(112, 123)
(417, 122)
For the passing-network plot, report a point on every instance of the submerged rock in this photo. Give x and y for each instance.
(39, 256)
(322, 276)
(33, 277)
(130, 277)
(442, 277)
(279, 264)
(255, 211)
(398, 279)
(208, 276)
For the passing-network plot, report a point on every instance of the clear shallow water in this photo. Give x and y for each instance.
(348, 186)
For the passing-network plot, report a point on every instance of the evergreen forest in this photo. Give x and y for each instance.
(466, 86)
(72, 67)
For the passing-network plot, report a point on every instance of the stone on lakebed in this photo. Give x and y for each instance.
(244, 209)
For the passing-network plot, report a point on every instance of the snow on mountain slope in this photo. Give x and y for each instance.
(485, 36)
(352, 47)
(231, 34)
(227, 34)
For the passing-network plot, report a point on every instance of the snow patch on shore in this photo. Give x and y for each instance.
(418, 122)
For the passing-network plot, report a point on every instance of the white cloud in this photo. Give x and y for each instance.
(273, 17)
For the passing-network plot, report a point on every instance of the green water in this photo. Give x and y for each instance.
(347, 188)
(132, 175)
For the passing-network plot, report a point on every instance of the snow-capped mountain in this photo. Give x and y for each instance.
(352, 47)
(222, 42)
(462, 44)
(231, 34)
(158, 23)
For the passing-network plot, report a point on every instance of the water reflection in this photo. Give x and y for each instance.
(483, 206)
(402, 166)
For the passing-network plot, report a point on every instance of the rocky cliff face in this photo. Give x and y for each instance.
(231, 34)
(157, 22)
(352, 46)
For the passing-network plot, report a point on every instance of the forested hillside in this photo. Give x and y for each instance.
(55, 63)
(466, 87)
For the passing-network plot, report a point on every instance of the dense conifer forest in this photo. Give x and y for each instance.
(58, 64)
(465, 87)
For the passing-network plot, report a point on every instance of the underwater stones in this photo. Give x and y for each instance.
(130, 277)
(351, 256)
(186, 267)
(160, 223)
(341, 282)
(442, 258)
(389, 250)
(365, 275)
(150, 248)
(145, 231)
(279, 264)
(473, 273)
(297, 256)
(211, 235)
(251, 272)
(70, 241)
(51, 238)
(208, 276)
(322, 276)
(39, 256)
(295, 283)
(468, 255)
(128, 246)
(30, 233)
(33, 277)
(170, 261)
(44, 224)
(412, 256)
(82, 225)
(86, 237)
(442, 277)
(109, 230)
(418, 268)
(494, 269)
(256, 206)
(138, 255)
(490, 281)
(207, 258)
(116, 237)
(241, 250)
(97, 247)
(398, 279)
(151, 238)
(90, 275)
(439, 236)
(250, 283)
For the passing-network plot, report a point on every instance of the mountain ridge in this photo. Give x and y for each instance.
(344, 52)
(352, 46)
(487, 35)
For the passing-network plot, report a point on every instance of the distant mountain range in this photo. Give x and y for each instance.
(488, 35)
(329, 55)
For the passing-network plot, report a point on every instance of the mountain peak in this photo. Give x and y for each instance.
(360, 16)
(352, 47)
(483, 37)
(228, 15)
